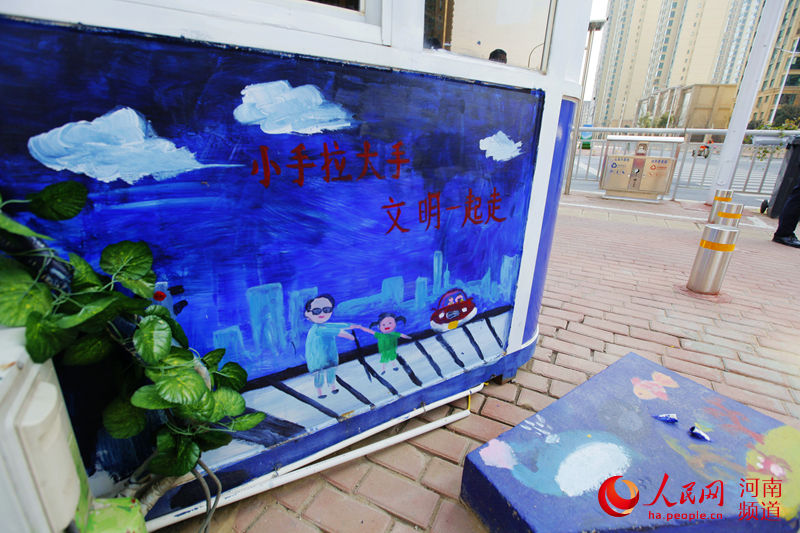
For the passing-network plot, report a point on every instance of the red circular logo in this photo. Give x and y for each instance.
(610, 501)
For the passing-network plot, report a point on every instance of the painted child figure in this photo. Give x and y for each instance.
(387, 338)
(322, 356)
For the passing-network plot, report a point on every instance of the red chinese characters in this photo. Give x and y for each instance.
(430, 212)
(334, 161)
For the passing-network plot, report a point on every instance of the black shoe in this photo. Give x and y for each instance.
(790, 240)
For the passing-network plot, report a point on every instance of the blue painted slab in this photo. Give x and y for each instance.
(548, 473)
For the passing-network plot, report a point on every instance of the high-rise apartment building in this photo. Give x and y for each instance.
(782, 77)
(652, 45)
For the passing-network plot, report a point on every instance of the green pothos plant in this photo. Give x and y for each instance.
(84, 316)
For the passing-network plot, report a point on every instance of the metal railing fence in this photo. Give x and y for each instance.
(756, 170)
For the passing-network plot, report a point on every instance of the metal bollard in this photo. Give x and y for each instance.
(711, 261)
(720, 196)
(729, 214)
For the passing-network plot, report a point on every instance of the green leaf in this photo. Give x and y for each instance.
(178, 461)
(89, 310)
(228, 402)
(83, 275)
(177, 331)
(231, 375)
(248, 421)
(89, 349)
(20, 295)
(59, 201)
(181, 353)
(147, 398)
(184, 386)
(43, 338)
(212, 358)
(212, 440)
(12, 226)
(123, 420)
(152, 339)
(143, 286)
(133, 306)
(130, 259)
(170, 366)
(165, 440)
(203, 410)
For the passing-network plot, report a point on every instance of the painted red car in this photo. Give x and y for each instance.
(454, 308)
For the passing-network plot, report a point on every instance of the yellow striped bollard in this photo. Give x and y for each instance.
(729, 214)
(720, 197)
(711, 262)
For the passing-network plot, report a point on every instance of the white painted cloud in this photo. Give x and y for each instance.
(499, 147)
(278, 108)
(118, 145)
(587, 467)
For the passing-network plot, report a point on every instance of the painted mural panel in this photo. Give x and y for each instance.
(350, 235)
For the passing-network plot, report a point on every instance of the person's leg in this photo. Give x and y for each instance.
(318, 380)
(790, 215)
(331, 377)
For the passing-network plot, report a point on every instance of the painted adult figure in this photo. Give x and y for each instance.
(787, 222)
(322, 356)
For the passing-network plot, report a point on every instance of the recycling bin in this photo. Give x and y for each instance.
(636, 167)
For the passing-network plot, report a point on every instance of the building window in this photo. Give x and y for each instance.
(792, 80)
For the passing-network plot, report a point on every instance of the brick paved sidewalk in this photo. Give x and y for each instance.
(614, 285)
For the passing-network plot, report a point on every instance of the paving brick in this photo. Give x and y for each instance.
(402, 458)
(547, 331)
(704, 347)
(758, 386)
(533, 400)
(701, 381)
(443, 443)
(552, 321)
(400, 527)
(296, 494)
(566, 347)
(505, 412)
(530, 380)
(560, 313)
(250, 509)
(582, 309)
(736, 346)
(581, 340)
(345, 477)
(784, 343)
(455, 518)
(750, 398)
(732, 333)
(608, 325)
(675, 331)
(336, 512)
(779, 366)
(697, 357)
(436, 414)
(589, 331)
(400, 496)
(690, 317)
(754, 371)
(443, 477)
(579, 364)
(605, 358)
(778, 355)
(679, 365)
(560, 388)
(639, 344)
(278, 519)
(654, 336)
(558, 372)
(593, 303)
(626, 319)
(506, 392)
(543, 354)
(551, 302)
(479, 427)
(620, 350)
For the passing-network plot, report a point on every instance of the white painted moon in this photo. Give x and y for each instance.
(587, 467)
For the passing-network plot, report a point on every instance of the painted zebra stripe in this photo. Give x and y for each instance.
(494, 334)
(424, 352)
(473, 342)
(352, 390)
(450, 350)
(411, 375)
(303, 398)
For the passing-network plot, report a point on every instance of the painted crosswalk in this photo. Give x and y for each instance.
(365, 383)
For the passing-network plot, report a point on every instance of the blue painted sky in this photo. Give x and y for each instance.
(216, 230)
